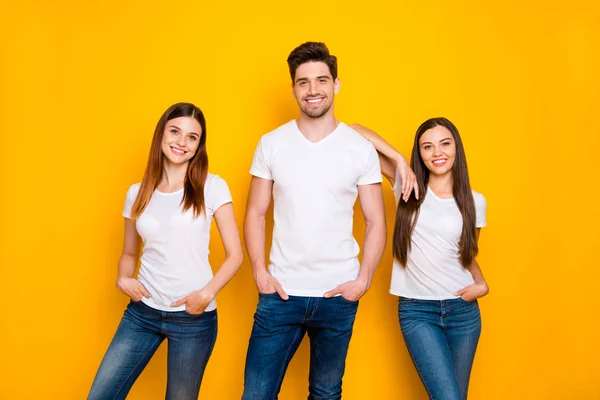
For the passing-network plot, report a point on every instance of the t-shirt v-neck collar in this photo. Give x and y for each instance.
(320, 142)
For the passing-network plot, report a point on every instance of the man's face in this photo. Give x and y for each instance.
(315, 88)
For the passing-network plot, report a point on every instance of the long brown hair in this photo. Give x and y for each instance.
(408, 212)
(193, 195)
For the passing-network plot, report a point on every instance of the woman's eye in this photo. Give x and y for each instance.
(174, 131)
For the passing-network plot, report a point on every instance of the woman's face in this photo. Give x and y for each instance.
(438, 150)
(181, 139)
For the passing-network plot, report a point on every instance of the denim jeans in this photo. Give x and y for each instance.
(441, 336)
(142, 329)
(279, 327)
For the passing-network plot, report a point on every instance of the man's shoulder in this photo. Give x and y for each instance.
(278, 134)
(354, 138)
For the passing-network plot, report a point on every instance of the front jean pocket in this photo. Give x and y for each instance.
(346, 300)
(189, 314)
(268, 294)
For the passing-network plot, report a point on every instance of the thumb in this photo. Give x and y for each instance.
(333, 292)
(180, 302)
(279, 290)
(461, 291)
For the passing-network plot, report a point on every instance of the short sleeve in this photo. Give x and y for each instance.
(217, 194)
(480, 210)
(130, 199)
(260, 162)
(371, 172)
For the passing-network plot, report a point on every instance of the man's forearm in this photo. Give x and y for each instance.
(254, 233)
(374, 245)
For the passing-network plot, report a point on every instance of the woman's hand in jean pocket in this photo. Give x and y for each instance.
(195, 302)
(133, 288)
(473, 292)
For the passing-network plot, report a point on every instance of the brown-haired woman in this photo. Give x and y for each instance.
(173, 297)
(435, 273)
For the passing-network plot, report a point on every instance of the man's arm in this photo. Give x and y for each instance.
(259, 198)
(390, 160)
(371, 202)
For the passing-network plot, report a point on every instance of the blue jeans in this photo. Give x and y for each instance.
(279, 327)
(441, 336)
(142, 329)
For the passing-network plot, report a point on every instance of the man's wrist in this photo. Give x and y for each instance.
(258, 272)
(401, 160)
(365, 279)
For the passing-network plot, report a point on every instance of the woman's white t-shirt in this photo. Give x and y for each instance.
(433, 270)
(174, 259)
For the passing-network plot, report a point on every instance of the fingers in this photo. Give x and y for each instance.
(180, 302)
(137, 293)
(135, 296)
(416, 189)
(461, 291)
(279, 289)
(405, 192)
(144, 291)
(408, 185)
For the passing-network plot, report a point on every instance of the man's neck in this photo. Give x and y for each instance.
(317, 129)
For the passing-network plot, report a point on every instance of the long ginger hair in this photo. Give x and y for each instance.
(193, 195)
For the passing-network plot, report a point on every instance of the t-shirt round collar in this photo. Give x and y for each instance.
(441, 200)
(169, 193)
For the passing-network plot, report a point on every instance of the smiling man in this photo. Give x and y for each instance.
(314, 167)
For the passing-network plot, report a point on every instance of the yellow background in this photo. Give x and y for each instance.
(83, 84)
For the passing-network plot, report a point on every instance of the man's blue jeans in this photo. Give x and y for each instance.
(279, 327)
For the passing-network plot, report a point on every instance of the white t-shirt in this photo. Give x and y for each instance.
(174, 259)
(433, 270)
(314, 191)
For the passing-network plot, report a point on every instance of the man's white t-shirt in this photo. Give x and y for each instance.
(433, 270)
(314, 191)
(174, 259)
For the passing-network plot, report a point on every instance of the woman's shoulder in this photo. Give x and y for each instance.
(134, 189)
(214, 181)
(479, 199)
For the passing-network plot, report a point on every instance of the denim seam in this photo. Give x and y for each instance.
(134, 369)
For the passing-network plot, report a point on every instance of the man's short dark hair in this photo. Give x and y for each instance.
(311, 52)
